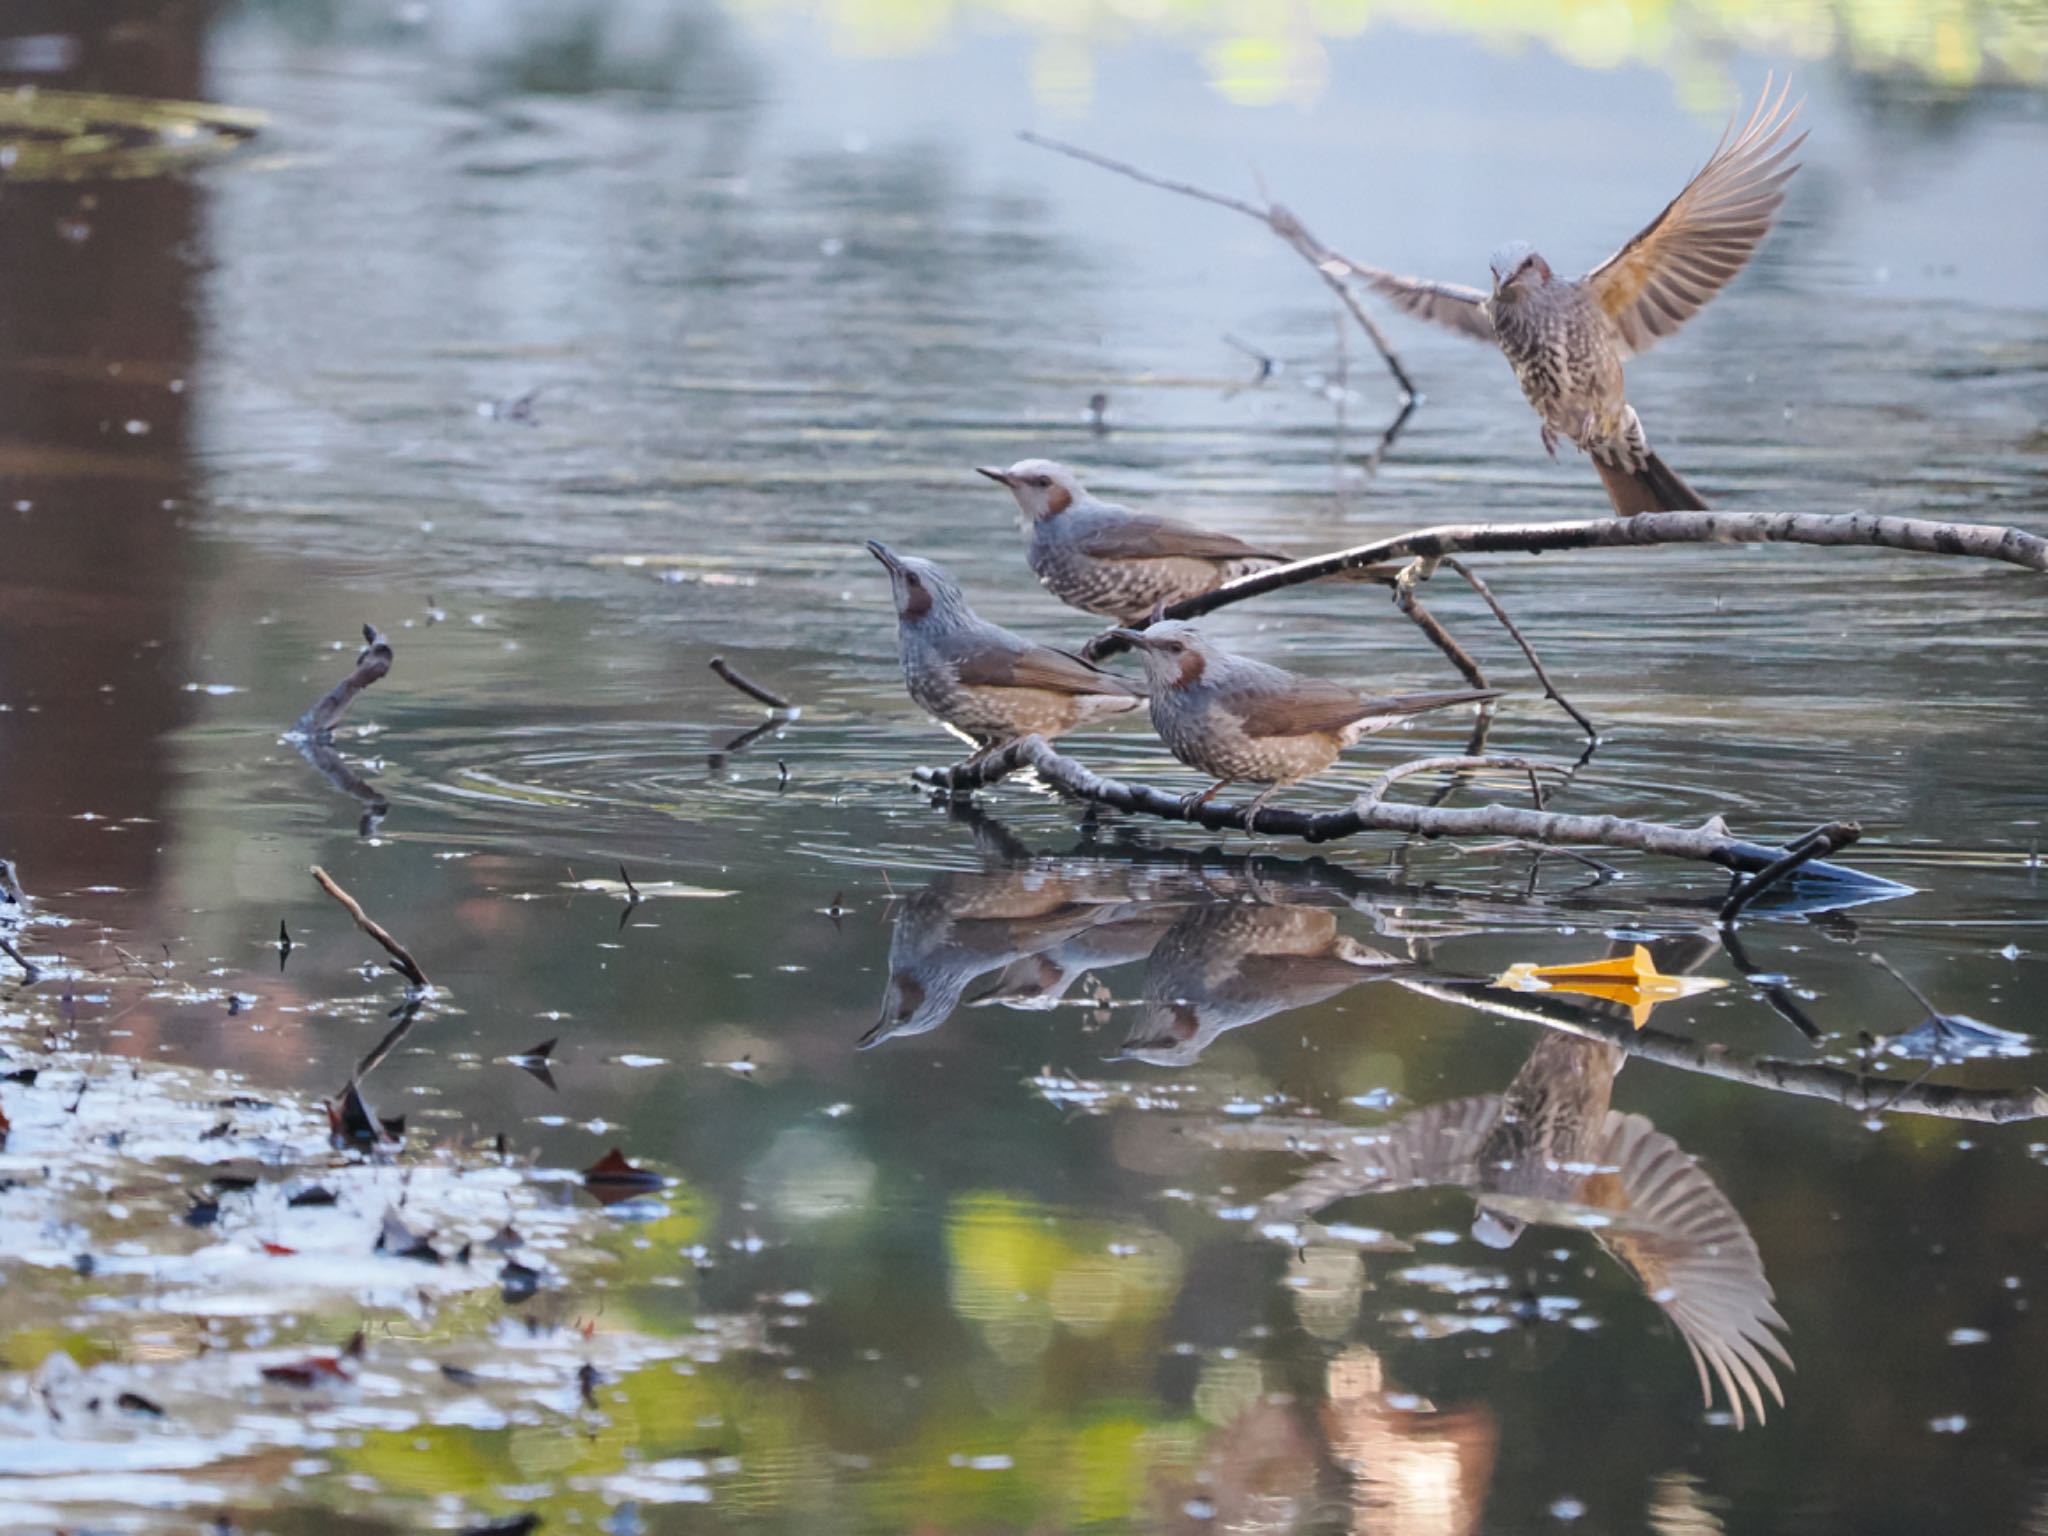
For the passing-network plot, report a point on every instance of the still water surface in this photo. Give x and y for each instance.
(1082, 1242)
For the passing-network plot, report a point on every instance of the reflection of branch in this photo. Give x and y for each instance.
(401, 960)
(1329, 266)
(371, 665)
(1709, 844)
(384, 1047)
(1802, 1079)
(321, 756)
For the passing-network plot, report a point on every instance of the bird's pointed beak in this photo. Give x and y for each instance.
(885, 554)
(1000, 476)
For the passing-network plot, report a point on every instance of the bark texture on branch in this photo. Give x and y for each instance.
(1980, 541)
(1708, 844)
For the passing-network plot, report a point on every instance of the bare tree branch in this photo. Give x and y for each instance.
(1330, 267)
(1980, 541)
(1709, 843)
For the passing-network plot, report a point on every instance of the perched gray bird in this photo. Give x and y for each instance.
(987, 683)
(1102, 558)
(1550, 1150)
(1241, 719)
(1568, 337)
(1231, 963)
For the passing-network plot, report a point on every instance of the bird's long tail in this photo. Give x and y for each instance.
(1378, 714)
(1656, 487)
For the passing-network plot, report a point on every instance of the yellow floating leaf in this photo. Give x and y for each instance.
(1631, 980)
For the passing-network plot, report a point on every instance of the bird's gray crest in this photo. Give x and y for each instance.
(1508, 259)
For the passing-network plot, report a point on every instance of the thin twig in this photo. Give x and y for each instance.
(1376, 791)
(1406, 600)
(748, 686)
(1330, 267)
(1899, 976)
(19, 959)
(1550, 690)
(401, 960)
(1816, 844)
(371, 665)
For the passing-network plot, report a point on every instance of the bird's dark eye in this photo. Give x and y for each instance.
(913, 581)
(1041, 481)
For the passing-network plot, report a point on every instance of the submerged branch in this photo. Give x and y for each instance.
(371, 665)
(401, 959)
(1329, 266)
(1708, 844)
(749, 687)
(1981, 541)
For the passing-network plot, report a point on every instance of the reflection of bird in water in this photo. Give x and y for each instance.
(1228, 964)
(1124, 934)
(1414, 1472)
(965, 925)
(1550, 1151)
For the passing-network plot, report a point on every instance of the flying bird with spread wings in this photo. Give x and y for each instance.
(1567, 338)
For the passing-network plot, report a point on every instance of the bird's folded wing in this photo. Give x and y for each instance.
(1301, 706)
(1145, 536)
(1659, 280)
(1450, 305)
(1694, 1256)
(1038, 666)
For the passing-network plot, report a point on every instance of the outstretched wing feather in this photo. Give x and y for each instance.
(1661, 278)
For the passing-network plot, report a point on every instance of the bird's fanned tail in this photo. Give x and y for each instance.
(1656, 487)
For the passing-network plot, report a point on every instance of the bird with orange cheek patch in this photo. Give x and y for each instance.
(1237, 718)
(988, 684)
(1103, 558)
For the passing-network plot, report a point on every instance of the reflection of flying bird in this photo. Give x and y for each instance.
(987, 683)
(1567, 338)
(965, 925)
(1227, 964)
(1549, 1150)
